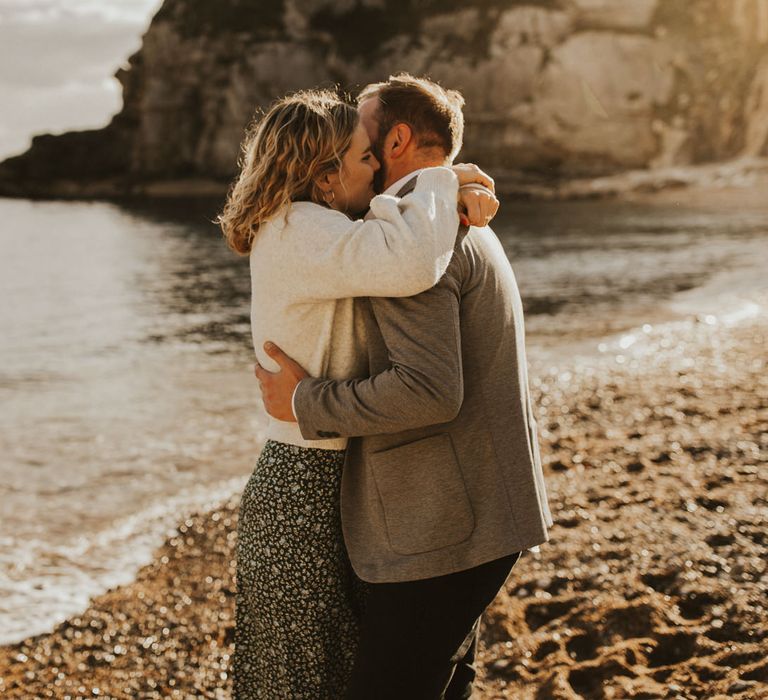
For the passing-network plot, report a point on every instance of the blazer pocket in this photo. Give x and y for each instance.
(422, 491)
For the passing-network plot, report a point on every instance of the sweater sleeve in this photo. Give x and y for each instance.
(403, 251)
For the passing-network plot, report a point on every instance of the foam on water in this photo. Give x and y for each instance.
(42, 584)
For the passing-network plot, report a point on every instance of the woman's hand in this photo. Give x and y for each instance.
(477, 201)
(469, 173)
(477, 205)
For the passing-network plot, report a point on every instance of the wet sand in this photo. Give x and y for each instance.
(653, 584)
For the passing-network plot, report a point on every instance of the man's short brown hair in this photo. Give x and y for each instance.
(433, 113)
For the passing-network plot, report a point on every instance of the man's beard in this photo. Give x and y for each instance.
(380, 176)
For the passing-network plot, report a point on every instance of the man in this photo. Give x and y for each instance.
(442, 486)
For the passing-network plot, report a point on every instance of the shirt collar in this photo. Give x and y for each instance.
(394, 188)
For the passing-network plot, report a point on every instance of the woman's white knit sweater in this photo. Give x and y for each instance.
(308, 263)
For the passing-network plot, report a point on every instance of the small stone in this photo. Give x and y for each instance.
(739, 686)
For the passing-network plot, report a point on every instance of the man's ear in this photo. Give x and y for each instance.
(400, 137)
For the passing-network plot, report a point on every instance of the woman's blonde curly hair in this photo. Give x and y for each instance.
(301, 138)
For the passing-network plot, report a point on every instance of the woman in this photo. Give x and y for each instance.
(307, 165)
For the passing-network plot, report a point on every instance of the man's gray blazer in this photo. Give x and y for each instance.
(443, 473)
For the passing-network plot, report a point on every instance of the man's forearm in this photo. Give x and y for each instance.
(387, 403)
(422, 386)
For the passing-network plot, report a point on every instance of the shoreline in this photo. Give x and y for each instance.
(730, 184)
(132, 541)
(652, 579)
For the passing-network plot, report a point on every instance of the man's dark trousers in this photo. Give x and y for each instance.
(418, 638)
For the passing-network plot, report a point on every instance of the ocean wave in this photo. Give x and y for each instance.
(42, 584)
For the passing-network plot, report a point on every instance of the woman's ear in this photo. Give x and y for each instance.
(325, 184)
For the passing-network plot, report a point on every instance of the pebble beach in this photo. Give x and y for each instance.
(653, 584)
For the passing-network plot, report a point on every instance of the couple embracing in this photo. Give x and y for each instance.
(401, 478)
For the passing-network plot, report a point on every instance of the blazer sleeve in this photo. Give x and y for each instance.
(423, 385)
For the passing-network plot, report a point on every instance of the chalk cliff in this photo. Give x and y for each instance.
(555, 89)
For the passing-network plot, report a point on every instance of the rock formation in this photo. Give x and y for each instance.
(555, 89)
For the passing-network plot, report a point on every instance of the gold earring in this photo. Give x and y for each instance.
(332, 199)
